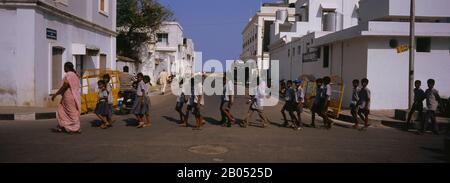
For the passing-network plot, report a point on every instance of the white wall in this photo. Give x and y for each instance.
(388, 71)
(27, 64)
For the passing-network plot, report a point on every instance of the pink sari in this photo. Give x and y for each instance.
(69, 110)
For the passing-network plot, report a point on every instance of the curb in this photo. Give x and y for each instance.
(27, 116)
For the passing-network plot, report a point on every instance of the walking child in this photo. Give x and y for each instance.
(290, 106)
(364, 102)
(300, 99)
(316, 107)
(227, 102)
(326, 102)
(419, 96)
(107, 79)
(148, 121)
(354, 102)
(433, 100)
(102, 109)
(256, 104)
(140, 107)
(181, 99)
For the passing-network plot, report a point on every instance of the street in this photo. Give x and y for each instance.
(166, 142)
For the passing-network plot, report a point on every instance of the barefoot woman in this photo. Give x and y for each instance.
(69, 109)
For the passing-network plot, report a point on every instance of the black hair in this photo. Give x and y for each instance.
(326, 80)
(365, 80)
(418, 82)
(355, 81)
(146, 79)
(107, 77)
(289, 82)
(101, 82)
(140, 75)
(69, 67)
(126, 69)
(431, 81)
(319, 80)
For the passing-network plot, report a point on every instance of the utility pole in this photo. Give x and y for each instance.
(412, 43)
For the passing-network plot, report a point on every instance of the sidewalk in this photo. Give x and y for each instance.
(27, 113)
(40, 113)
(387, 118)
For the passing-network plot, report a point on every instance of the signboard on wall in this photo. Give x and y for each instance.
(312, 56)
(402, 48)
(52, 34)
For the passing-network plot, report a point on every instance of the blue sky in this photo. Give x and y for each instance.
(214, 25)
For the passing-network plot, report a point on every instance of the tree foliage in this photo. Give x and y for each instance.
(137, 20)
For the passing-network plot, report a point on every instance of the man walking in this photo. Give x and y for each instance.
(163, 77)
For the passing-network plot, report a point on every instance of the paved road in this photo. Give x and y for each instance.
(32, 141)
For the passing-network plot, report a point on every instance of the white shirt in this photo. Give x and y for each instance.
(142, 89)
(261, 94)
(109, 90)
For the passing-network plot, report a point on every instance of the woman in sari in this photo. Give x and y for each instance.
(69, 109)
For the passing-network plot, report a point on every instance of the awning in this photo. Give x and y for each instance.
(92, 48)
(328, 6)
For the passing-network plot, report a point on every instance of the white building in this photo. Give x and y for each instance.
(38, 36)
(169, 51)
(256, 34)
(355, 49)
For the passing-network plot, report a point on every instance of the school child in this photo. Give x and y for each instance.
(148, 121)
(419, 96)
(290, 106)
(140, 107)
(181, 99)
(433, 100)
(364, 102)
(199, 102)
(102, 109)
(317, 105)
(190, 105)
(227, 102)
(300, 99)
(354, 102)
(327, 97)
(107, 79)
(257, 104)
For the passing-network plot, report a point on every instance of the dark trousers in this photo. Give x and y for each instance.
(430, 115)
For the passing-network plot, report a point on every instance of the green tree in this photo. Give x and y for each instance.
(137, 21)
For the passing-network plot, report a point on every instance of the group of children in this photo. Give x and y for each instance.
(433, 100)
(294, 97)
(141, 106)
(360, 104)
(195, 101)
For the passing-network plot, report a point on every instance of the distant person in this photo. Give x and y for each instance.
(163, 78)
(148, 121)
(140, 107)
(364, 102)
(300, 99)
(181, 100)
(102, 109)
(419, 96)
(107, 80)
(290, 106)
(69, 109)
(327, 92)
(256, 104)
(317, 105)
(433, 100)
(354, 102)
(227, 103)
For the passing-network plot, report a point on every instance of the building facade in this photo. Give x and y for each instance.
(169, 51)
(256, 34)
(44, 34)
(366, 47)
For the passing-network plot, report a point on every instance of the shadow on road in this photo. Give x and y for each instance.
(442, 155)
(212, 121)
(96, 123)
(177, 121)
(131, 122)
